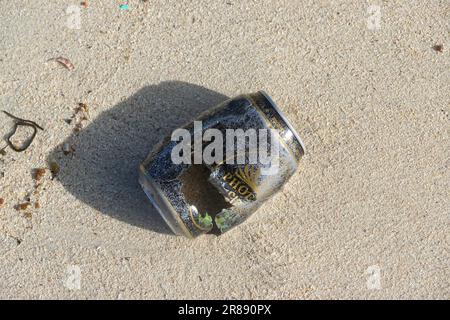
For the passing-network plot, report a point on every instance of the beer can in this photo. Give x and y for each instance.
(212, 174)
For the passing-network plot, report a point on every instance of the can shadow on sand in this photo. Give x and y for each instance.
(103, 171)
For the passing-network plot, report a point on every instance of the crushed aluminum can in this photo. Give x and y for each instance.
(197, 196)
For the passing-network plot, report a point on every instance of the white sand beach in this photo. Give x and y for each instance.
(365, 83)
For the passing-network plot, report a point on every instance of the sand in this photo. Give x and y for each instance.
(366, 216)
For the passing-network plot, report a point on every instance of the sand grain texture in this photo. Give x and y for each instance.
(372, 106)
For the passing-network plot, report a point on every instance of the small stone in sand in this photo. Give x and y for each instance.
(54, 168)
(438, 48)
(23, 206)
(67, 149)
(78, 127)
(2, 202)
(39, 173)
(82, 107)
(28, 215)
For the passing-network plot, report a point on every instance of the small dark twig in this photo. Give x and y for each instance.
(21, 122)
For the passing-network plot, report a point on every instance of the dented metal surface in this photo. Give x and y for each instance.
(244, 186)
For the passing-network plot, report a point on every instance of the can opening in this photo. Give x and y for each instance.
(198, 191)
